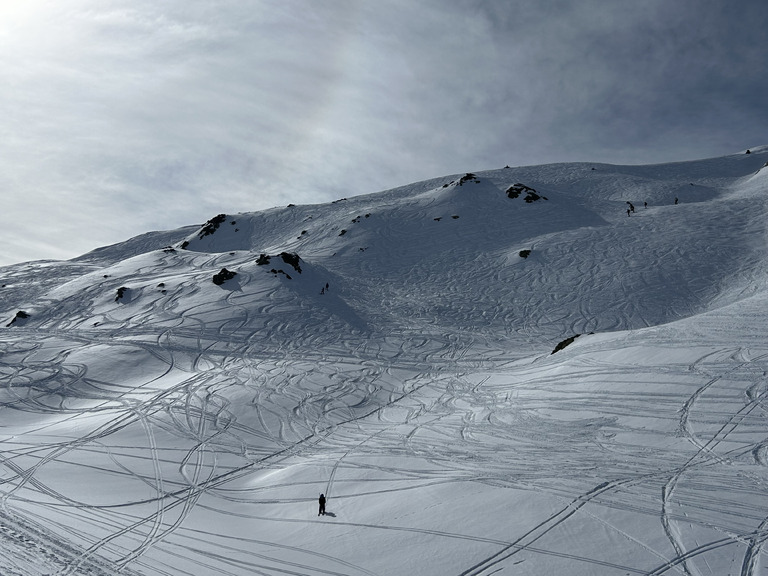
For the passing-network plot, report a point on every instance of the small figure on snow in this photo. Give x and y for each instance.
(675, 199)
(321, 501)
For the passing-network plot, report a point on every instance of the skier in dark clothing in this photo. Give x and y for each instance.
(321, 500)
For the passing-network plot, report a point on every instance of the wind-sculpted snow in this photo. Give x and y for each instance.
(404, 369)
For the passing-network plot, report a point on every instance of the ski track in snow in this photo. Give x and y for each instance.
(177, 433)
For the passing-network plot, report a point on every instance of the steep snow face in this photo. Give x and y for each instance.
(591, 267)
(174, 404)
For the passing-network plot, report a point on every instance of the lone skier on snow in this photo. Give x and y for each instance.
(321, 501)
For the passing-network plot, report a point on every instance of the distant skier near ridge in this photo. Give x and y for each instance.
(321, 501)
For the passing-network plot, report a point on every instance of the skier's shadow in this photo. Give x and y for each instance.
(331, 514)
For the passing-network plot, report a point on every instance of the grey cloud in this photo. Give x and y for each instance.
(144, 115)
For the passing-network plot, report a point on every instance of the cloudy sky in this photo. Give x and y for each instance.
(118, 117)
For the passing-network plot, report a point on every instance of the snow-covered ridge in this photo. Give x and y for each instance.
(175, 403)
(593, 264)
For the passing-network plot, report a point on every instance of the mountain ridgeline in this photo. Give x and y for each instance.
(532, 255)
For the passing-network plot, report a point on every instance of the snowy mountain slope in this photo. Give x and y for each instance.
(157, 422)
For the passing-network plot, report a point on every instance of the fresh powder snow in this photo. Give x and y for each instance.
(554, 369)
